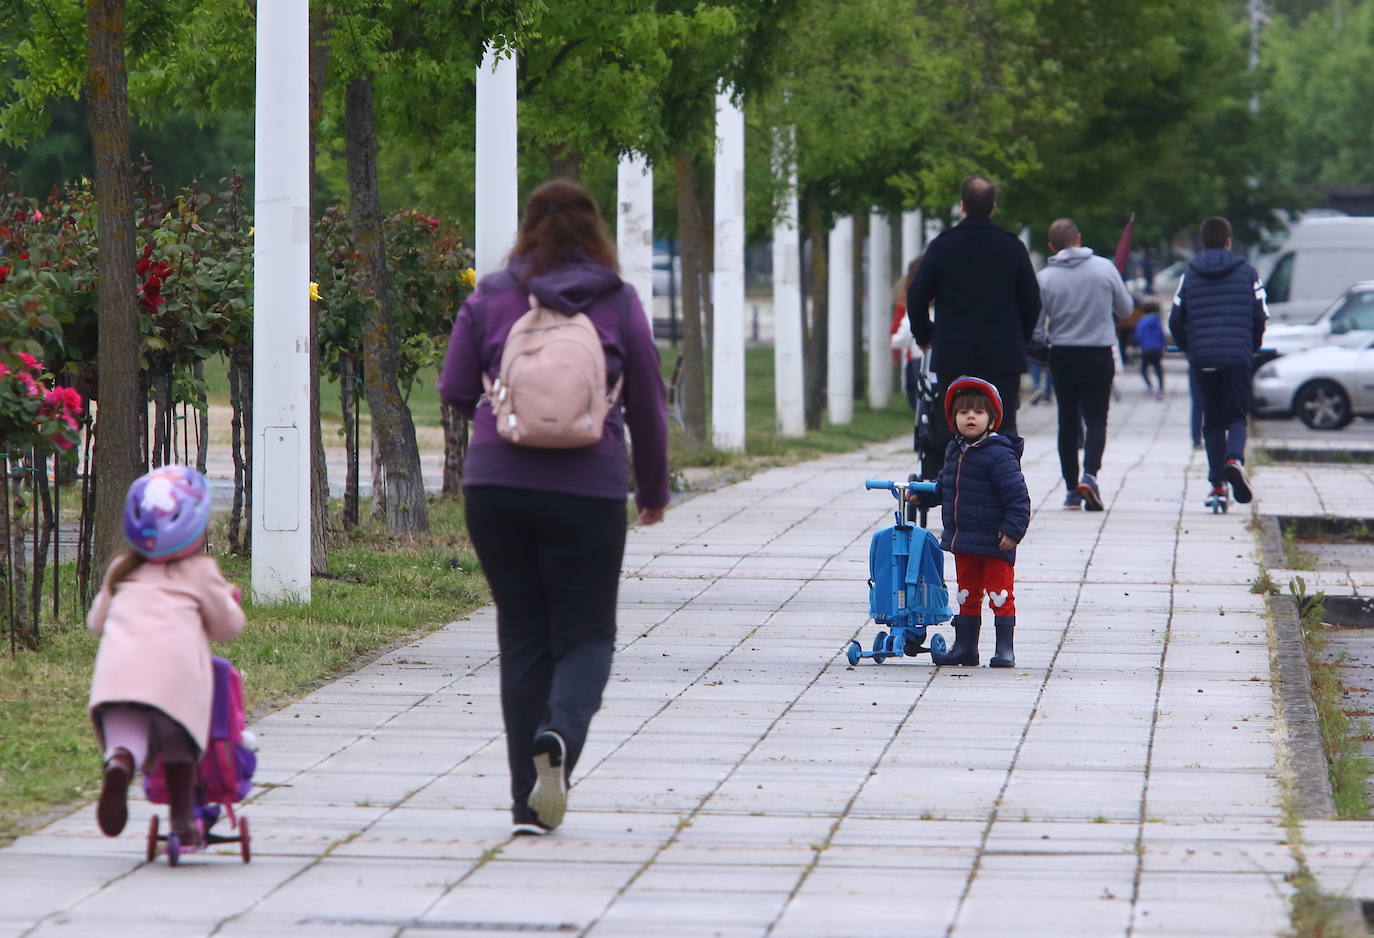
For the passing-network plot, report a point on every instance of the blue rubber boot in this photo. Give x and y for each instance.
(965, 650)
(1003, 656)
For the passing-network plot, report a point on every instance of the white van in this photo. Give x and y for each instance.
(1320, 260)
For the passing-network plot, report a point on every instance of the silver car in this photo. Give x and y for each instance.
(1325, 387)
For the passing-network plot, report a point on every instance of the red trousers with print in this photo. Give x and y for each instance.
(979, 574)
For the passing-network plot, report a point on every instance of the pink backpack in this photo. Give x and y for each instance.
(551, 390)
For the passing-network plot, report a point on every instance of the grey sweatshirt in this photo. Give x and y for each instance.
(1080, 293)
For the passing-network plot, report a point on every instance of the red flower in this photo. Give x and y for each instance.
(24, 256)
(4, 272)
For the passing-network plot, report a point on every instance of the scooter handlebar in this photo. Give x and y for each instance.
(892, 486)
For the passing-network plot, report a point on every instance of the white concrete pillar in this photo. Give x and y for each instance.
(727, 283)
(281, 306)
(634, 228)
(788, 384)
(913, 236)
(497, 189)
(878, 297)
(840, 347)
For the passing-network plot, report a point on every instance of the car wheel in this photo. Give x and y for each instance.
(1323, 405)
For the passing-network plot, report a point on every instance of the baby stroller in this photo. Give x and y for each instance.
(927, 440)
(906, 585)
(224, 775)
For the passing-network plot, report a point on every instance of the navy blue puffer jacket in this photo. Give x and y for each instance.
(1219, 311)
(983, 492)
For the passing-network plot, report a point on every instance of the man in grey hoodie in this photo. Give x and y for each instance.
(1080, 293)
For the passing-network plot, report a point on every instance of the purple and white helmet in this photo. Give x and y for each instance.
(166, 512)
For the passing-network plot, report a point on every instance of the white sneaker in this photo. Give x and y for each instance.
(549, 798)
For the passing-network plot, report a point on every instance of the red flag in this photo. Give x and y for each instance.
(1123, 246)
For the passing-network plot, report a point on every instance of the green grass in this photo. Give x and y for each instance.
(383, 592)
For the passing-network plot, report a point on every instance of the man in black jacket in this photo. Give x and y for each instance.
(1218, 318)
(987, 302)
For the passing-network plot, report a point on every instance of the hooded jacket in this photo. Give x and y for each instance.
(1080, 293)
(1219, 311)
(983, 492)
(597, 471)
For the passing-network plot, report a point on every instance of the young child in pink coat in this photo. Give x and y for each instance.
(158, 609)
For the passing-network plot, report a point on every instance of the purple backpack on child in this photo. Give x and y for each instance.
(225, 773)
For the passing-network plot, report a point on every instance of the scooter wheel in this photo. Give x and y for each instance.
(853, 651)
(937, 644)
(245, 841)
(152, 838)
(173, 848)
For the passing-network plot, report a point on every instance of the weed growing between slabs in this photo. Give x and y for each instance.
(1347, 766)
(381, 591)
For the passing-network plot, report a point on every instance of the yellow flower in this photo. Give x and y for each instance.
(314, 291)
(251, 230)
(470, 277)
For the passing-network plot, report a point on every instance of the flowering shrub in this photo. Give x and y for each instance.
(33, 411)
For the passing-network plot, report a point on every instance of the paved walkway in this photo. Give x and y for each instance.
(742, 780)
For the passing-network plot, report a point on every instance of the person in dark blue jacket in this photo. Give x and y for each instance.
(986, 513)
(1218, 318)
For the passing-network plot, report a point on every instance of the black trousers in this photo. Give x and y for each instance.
(1008, 388)
(1225, 394)
(1152, 360)
(553, 562)
(1083, 390)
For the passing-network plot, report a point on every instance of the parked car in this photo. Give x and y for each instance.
(1325, 387)
(1352, 312)
(1320, 260)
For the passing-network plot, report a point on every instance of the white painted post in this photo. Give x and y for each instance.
(840, 347)
(879, 310)
(497, 190)
(281, 306)
(727, 284)
(913, 236)
(634, 228)
(788, 385)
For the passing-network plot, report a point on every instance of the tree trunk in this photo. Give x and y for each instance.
(348, 401)
(817, 332)
(860, 317)
(392, 426)
(455, 448)
(118, 459)
(565, 162)
(241, 448)
(319, 468)
(202, 420)
(693, 261)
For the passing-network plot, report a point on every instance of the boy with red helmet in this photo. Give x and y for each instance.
(986, 513)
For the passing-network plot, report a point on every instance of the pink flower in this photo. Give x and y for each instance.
(29, 362)
(30, 386)
(63, 399)
(60, 441)
(37, 215)
(4, 370)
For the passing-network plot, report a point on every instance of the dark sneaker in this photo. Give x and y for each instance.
(1092, 498)
(1073, 501)
(549, 798)
(1240, 485)
(112, 810)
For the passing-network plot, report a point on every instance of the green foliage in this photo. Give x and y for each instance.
(1321, 80)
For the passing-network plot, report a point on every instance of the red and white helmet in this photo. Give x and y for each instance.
(967, 383)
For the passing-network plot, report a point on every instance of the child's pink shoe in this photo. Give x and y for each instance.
(112, 811)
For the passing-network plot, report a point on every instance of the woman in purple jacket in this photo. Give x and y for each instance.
(549, 524)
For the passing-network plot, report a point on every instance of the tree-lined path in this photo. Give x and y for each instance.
(742, 780)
